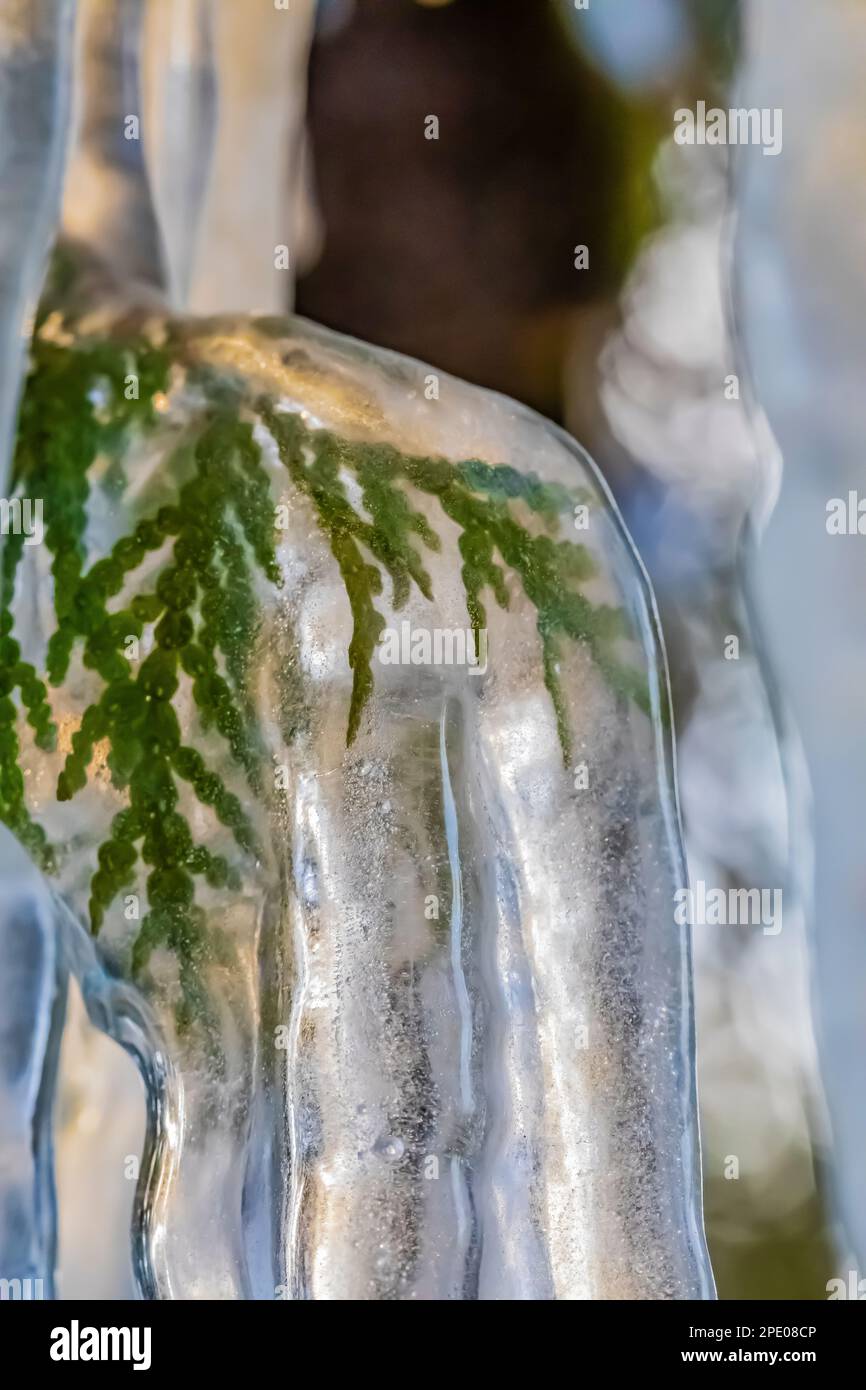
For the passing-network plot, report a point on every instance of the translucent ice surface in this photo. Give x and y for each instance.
(35, 62)
(107, 201)
(32, 998)
(362, 778)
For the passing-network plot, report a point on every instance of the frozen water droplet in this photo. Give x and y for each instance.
(391, 1147)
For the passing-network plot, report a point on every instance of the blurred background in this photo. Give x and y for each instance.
(494, 186)
(555, 132)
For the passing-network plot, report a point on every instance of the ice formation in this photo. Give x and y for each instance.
(393, 944)
(410, 992)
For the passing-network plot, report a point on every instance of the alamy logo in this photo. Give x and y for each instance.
(846, 516)
(733, 907)
(21, 1290)
(852, 1288)
(76, 1343)
(22, 516)
(738, 126)
(437, 646)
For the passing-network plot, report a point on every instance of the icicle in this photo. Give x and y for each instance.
(107, 202)
(418, 1006)
(35, 57)
(180, 90)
